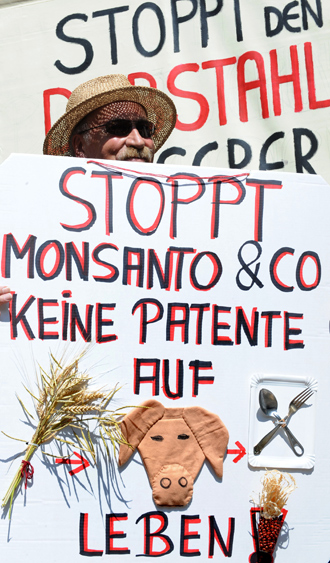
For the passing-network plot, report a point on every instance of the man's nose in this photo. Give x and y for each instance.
(134, 139)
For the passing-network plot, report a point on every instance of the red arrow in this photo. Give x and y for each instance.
(81, 461)
(241, 452)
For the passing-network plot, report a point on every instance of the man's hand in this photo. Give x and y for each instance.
(5, 295)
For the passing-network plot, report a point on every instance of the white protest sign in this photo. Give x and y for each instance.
(196, 287)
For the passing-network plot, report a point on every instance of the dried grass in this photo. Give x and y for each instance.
(277, 487)
(65, 401)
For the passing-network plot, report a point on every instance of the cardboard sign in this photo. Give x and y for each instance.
(191, 286)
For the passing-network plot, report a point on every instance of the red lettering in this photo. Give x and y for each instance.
(47, 94)
(278, 256)
(173, 323)
(294, 77)
(91, 213)
(112, 534)
(100, 322)
(313, 103)
(244, 86)
(218, 181)
(133, 76)
(130, 206)
(108, 177)
(218, 64)
(199, 98)
(174, 180)
(42, 321)
(290, 331)
(83, 537)
(144, 321)
(260, 186)
(216, 326)
(186, 534)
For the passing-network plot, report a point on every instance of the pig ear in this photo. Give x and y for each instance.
(210, 433)
(136, 424)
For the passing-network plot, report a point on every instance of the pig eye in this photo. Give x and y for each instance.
(183, 437)
(157, 438)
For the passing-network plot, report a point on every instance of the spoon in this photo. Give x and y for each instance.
(268, 405)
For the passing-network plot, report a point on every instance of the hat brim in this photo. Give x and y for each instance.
(160, 110)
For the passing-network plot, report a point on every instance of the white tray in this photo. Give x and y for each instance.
(278, 452)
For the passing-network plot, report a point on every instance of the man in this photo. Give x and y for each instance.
(108, 118)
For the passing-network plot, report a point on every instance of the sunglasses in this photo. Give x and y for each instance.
(123, 127)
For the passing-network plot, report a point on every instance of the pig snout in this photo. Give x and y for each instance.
(172, 486)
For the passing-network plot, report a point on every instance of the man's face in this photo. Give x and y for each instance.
(97, 143)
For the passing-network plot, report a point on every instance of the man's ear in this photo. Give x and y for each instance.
(77, 144)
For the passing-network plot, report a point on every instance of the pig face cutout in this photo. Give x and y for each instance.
(173, 444)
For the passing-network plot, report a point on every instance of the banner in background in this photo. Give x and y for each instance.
(250, 81)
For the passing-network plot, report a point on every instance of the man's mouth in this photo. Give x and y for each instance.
(133, 155)
(135, 159)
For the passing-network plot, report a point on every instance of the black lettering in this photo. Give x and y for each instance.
(182, 324)
(317, 17)
(287, 16)
(245, 266)
(292, 344)
(149, 536)
(83, 538)
(81, 260)
(214, 533)
(196, 366)
(238, 21)
(162, 30)
(16, 318)
(11, 244)
(263, 164)
(250, 329)
(185, 535)
(79, 41)
(231, 153)
(113, 270)
(176, 20)
(271, 31)
(49, 320)
(112, 28)
(154, 363)
(204, 15)
(170, 152)
(110, 535)
(203, 152)
(58, 262)
(101, 322)
(302, 160)
(217, 266)
(154, 265)
(200, 308)
(299, 272)
(179, 380)
(76, 322)
(128, 267)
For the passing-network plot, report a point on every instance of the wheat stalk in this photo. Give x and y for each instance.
(63, 401)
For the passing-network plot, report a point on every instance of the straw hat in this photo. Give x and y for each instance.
(101, 91)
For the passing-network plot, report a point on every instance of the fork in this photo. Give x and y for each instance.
(294, 406)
